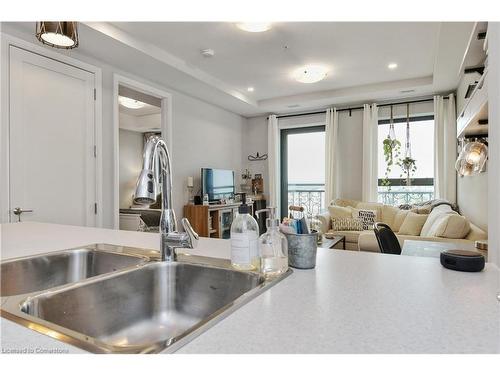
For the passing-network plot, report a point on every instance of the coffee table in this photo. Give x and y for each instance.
(329, 243)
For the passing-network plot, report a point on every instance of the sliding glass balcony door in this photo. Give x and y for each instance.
(303, 169)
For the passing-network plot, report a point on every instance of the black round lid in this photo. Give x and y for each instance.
(462, 253)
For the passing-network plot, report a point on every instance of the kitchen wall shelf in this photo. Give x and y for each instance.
(475, 110)
(472, 105)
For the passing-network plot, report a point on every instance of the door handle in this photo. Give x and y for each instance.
(18, 211)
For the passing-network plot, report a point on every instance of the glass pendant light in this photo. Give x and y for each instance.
(463, 168)
(460, 165)
(472, 158)
(57, 34)
(476, 154)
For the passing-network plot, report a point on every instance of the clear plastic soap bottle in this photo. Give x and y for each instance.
(244, 239)
(273, 247)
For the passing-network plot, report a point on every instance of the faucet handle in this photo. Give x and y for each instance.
(192, 235)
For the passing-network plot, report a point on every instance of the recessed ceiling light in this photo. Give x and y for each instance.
(130, 103)
(254, 27)
(310, 73)
(392, 66)
(250, 89)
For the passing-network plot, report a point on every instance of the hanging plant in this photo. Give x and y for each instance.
(409, 167)
(392, 151)
(407, 164)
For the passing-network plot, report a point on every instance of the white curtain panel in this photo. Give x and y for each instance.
(445, 148)
(370, 162)
(273, 152)
(331, 155)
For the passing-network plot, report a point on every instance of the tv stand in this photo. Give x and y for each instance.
(213, 220)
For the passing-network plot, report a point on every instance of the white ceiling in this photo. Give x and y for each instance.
(356, 53)
(139, 123)
(429, 56)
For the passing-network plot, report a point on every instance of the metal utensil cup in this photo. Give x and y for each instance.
(302, 250)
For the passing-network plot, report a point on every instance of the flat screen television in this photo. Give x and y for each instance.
(217, 183)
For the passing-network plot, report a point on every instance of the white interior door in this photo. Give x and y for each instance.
(52, 164)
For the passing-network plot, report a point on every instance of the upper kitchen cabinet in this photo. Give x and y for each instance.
(472, 91)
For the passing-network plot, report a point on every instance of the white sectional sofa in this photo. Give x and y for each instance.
(441, 224)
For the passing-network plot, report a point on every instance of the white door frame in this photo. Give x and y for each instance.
(165, 126)
(6, 41)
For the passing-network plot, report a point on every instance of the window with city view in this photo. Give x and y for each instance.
(303, 170)
(392, 186)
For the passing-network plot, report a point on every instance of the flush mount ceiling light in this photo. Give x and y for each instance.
(57, 34)
(130, 103)
(250, 89)
(392, 66)
(310, 73)
(254, 27)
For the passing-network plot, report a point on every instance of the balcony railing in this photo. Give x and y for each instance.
(309, 196)
(421, 190)
(399, 195)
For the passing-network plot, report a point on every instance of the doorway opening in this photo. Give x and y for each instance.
(141, 112)
(303, 169)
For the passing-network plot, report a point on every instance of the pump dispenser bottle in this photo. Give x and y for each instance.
(244, 239)
(273, 247)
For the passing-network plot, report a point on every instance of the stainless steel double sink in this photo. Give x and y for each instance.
(111, 299)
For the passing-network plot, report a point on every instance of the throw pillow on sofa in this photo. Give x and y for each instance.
(367, 217)
(426, 209)
(398, 220)
(413, 223)
(450, 226)
(346, 223)
(339, 211)
(435, 214)
(388, 214)
(377, 207)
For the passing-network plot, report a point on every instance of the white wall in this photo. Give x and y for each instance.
(351, 154)
(203, 134)
(255, 140)
(472, 198)
(131, 146)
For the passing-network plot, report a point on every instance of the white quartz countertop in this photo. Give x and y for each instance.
(352, 302)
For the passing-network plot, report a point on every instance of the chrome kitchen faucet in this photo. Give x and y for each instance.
(157, 171)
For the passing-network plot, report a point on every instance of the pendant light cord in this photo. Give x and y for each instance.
(408, 149)
(392, 133)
